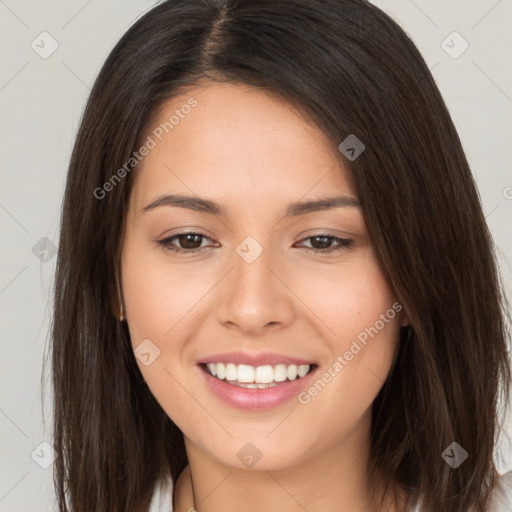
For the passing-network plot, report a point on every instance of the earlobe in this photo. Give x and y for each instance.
(116, 307)
(117, 303)
(121, 316)
(121, 313)
(405, 320)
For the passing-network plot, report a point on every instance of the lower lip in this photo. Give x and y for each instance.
(256, 399)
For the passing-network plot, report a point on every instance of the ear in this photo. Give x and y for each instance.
(116, 300)
(401, 313)
(404, 322)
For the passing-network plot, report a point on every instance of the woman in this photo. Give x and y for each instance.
(276, 289)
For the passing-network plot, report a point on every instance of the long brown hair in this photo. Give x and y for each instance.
(352, 70)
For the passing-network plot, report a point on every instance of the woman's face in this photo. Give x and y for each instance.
(264, 288)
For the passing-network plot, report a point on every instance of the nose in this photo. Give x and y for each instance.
(254, 296)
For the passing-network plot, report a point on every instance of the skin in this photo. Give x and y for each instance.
(254, 154)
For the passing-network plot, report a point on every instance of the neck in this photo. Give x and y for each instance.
(335, 479)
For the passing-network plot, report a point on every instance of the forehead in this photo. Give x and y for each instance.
(232, 141)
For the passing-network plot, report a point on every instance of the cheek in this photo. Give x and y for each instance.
(362, 316)
(345, 299)
(161, 304)
(368, 335)
(156, 322)
(157, 297)
(336, 404)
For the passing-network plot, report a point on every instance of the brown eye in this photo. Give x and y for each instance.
(188, 242)
(323, 243)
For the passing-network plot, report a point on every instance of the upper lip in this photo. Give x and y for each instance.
(260, 359)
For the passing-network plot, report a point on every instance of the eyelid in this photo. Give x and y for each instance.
(165, 242)
(342, 243)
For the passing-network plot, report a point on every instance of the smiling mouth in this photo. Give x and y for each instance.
(257, 377)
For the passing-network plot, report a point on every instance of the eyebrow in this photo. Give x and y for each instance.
(198, 204)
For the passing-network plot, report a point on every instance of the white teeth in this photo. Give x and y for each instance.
(221, 371)
(231, 372)
(302, 370)
(280, 373)
(291, 372)
(253, 385)
(264, 374)
(245, 373)
(257, 377)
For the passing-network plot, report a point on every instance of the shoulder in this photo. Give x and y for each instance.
(502, 494)
(162, 496)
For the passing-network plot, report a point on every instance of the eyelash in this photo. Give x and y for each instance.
(343, 243)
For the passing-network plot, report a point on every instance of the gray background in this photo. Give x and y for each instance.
(42, 100)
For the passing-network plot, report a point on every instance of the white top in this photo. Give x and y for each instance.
(501, 499)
